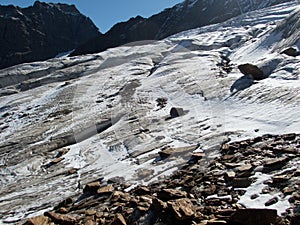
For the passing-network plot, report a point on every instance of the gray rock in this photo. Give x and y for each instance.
(176, 112)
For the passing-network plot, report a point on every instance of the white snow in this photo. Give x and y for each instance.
(256, 188)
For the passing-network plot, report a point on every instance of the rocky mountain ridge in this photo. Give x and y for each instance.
(183, 16)
(41, 31)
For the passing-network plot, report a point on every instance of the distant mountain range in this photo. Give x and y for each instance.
(183, 16)
(41, 32)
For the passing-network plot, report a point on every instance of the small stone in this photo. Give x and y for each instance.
(244, 168)
(183, 208)
(99, 214)
(158, 205)
(92, 187)
(72, 171)
(254, 216)
(289, 190)
(38, 220)
(61, 219)
(241, 182)
(168, 194)
(216, 222)
(90, 222)
(142, 190)
(62, 210)
(90, 212)
(57, 160)
(198, 155)
(106, 190)
(271, 201)
(119, 220)
(281, 178)
(275, 164)
(255, 196)
(289, 137)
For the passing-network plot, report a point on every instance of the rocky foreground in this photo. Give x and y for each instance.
(247, 173)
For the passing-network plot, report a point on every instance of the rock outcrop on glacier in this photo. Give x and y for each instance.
(41, 31)
(101, 123)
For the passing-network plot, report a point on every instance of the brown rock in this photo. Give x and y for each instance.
(198, 155)
(62, 210)
(275, 164)
(106, 190)
(38, 220)
(158, 205)
(90, 212)
(168, 194)
(142, 190)
(90, 222)
(289, 190)
(92, 187)
(72, 171)
(57, 160)
(241, 182)
(229, 175)
(61, 219)
(64, 204)
(183, 208)
(272, 201)
(166, 152)
(119, 220)
(244, 168)
(250, 69)
(62, 152)
(216, 222)
(254, 216)
(281, 178)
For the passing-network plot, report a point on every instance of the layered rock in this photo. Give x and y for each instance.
(201, 192)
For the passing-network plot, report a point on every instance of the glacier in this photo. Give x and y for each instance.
(99, 115)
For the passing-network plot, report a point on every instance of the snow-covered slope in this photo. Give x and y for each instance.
(68, 121)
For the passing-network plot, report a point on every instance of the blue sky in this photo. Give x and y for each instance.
(106, 13)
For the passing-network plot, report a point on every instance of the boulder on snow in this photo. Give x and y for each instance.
(291, 52)
(252, 70)
(176, 112)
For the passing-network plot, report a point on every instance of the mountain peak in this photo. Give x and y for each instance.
(41, 31)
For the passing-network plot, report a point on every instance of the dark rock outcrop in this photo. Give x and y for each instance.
(291, 52)
(184, 16)
(252, 70)
(41, 31)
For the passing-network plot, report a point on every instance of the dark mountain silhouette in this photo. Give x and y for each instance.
(41, 31)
